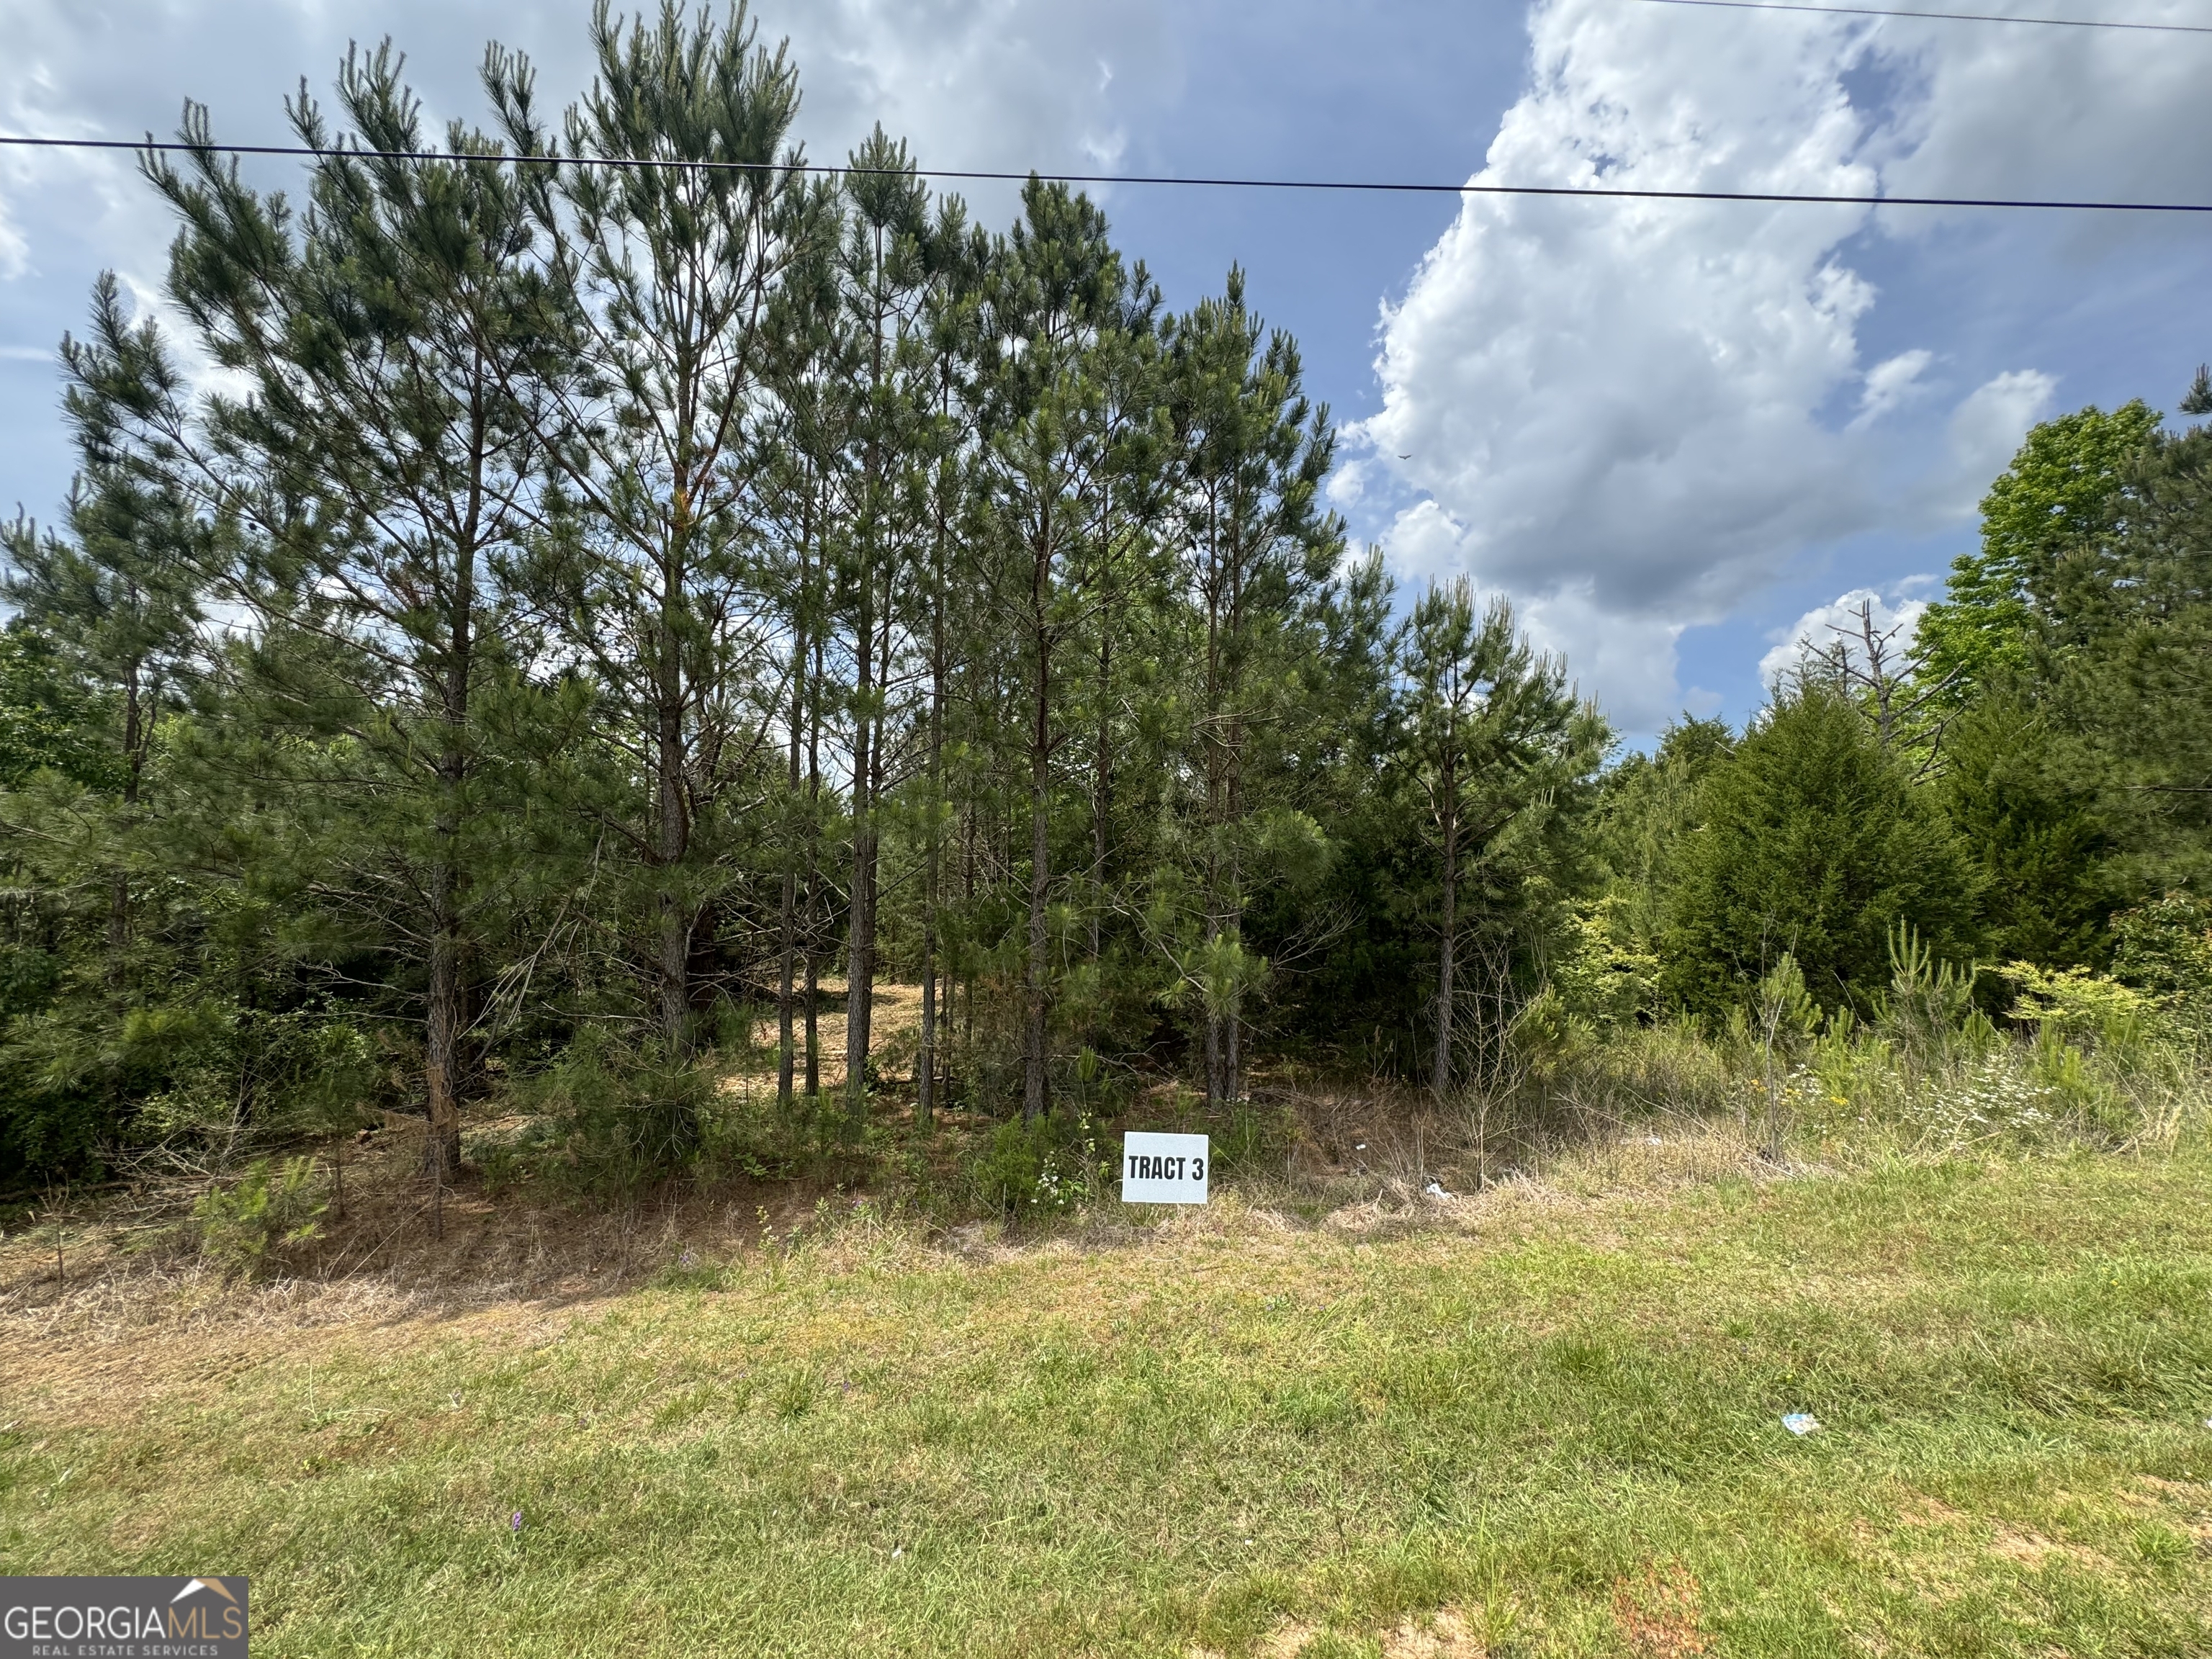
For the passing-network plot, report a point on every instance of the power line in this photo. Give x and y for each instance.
(1609, 192)
(1940, 16)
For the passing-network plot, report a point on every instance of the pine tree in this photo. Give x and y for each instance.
(404, 350)
(884, 276)
(675, 268)
(1067, 412)
(2123, 662)
(1813, 843)
(799, 450)
(1498, 746)
(1257, 549)
(2039, 853)
(122, 592)
(958, 256)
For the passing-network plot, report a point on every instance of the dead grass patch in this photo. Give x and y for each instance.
(894, 1033)
(1657, 1613)
(2023, 1547)
(1447, 1635)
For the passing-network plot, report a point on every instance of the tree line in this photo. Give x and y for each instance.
(572, 600)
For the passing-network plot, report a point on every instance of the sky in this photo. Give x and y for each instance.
(1678, 436)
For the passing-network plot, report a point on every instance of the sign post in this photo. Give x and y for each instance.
(1165, 1168)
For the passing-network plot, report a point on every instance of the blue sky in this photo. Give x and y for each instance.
(1677, 434)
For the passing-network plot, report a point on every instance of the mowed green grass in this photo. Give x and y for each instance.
(1563, 1427)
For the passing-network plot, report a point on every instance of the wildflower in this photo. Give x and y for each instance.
(514, 1522)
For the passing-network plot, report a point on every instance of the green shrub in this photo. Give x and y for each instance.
(262, 1210)
(1048, 1167)
(623, 1117)
(1601, 975)
(2166, 949)
(1815, 842)
(2073, 1005)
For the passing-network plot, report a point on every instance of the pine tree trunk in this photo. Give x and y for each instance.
(878, 764)
(443, 1032)
(867, 756)
(668, 754)
(787, 930)
(1216, 1086)
(118, 897)
(925, 1060)
(1101, 782)
(787, 963)
(814, 880)
(1233, 891)
(1033, 1037)
(859, 934)
(1214, 734)
(968, 903)
(1033, 1031)
(444, 1021)
(924, 1065)
(813, 993)
(1442, 1083)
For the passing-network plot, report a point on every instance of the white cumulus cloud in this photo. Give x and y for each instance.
(1982, 434)
(978, 84)
(985, 84)
(1633, 415)
(1890, 383)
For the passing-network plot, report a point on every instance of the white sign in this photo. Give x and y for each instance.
(1164, 1169)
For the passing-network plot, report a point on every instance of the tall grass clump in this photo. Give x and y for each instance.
(1946, 1059)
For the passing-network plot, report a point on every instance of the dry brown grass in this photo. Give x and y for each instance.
(895, 1029)
(392, 1252)
(1361, 1166)
(1657, 1613)
(396, 1265)
(1442, 1635)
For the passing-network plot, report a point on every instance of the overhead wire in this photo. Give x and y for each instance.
(1939, 16)
(1605, 192)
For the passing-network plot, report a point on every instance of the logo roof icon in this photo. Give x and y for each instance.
(215, 1585)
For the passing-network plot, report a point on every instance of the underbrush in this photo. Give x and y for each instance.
(618, 1158)
(2079, 1059)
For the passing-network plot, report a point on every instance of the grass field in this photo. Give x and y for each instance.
(1539, 1424)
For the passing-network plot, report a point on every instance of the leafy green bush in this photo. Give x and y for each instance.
(263, 1210)
(1048, 1167)
(1601, 975)
(623, 1116)
(2166, 949)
